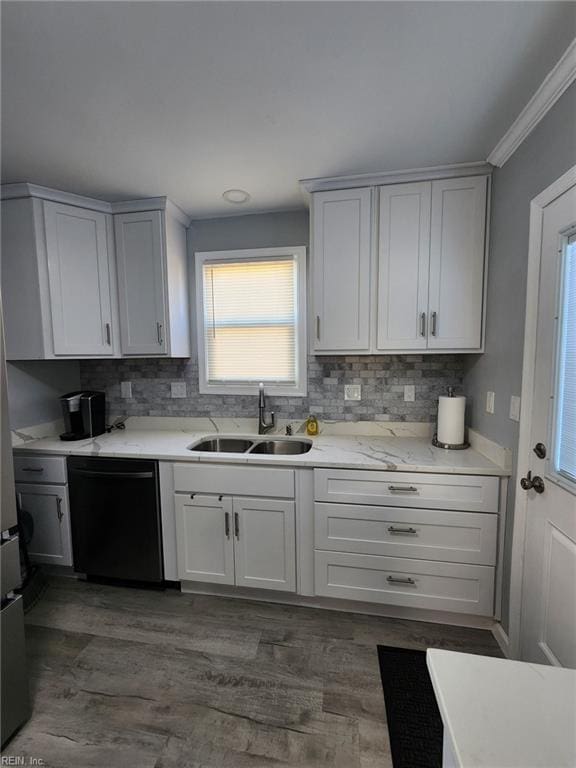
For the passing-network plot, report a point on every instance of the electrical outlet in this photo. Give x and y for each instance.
(352, 392)
(126, 389)
(178, 389)
(490, 398)
(409, 393)
(515, 408)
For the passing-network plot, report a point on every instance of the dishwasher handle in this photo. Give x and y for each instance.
(113, 475)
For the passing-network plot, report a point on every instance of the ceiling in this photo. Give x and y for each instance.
(125, 99)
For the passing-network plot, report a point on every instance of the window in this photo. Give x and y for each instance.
(565, 421)
(251, 320)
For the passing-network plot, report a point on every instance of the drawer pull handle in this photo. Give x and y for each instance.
(236, 525)
(423, 324)
(394, 529)
(403, 489)
(59, 508)
(227, 524)
(395, 580)
(32, 469)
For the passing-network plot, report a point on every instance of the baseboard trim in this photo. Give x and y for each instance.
(502, 639)
(346, 606)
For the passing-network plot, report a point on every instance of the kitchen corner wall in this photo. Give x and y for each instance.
(382, 378)
(547, 153)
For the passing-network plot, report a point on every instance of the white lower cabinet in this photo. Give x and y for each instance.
(411, 583)
(204, 538)
(47, 505)
(249, 542)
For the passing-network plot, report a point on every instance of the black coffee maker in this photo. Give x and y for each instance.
(84, 414)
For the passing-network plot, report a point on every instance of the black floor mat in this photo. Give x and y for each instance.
(414, 722)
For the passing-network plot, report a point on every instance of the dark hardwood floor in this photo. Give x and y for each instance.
(139, 679)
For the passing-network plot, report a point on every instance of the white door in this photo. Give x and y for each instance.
(457, 238)
(403, 262)
(47, 505)
(79, 278)
(341, 248)
(548, 623)
(141, 282)
(265, 546)
(205, 547)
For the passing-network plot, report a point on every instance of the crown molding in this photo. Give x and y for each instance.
(431, 173)
(24, 189)
(550, 90)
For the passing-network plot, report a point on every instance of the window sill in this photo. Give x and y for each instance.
(271, 390)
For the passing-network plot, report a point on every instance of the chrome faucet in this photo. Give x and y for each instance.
(263, 425)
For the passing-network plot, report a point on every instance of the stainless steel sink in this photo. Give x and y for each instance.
(222, 445)
(282, 447)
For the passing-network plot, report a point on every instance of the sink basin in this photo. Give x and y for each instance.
(222, 445)
(282, 447)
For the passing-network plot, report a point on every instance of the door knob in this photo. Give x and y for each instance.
(532, 483)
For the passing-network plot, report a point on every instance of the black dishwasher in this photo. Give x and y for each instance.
(115, 517)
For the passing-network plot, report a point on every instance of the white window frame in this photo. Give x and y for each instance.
(298, 253)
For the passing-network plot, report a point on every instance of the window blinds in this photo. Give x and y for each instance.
(250, 314)
(566, 406)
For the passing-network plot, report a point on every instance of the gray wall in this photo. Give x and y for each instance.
(545, 155)
(259, 230)
(34, 387)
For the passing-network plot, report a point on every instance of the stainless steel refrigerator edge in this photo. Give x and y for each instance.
(15, 702)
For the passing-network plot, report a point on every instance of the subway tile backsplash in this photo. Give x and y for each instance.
(382, 378)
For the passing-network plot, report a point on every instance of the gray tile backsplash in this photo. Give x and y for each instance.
(382, 378)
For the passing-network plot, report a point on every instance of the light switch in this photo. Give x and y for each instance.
(126, 389)
(490, 398)
(352, 392)
(409, 393)
(178, 389)
(515, 408)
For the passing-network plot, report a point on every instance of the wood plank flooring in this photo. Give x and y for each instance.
(140, 679)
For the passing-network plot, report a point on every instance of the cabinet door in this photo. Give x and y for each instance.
(47, 505)
(265, 546)
(205, 546)
(341, 233)
(457, 263)
(403, 261)
(141, 282)
(79, 279)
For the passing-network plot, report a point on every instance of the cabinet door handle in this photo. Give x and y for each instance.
(236, 525)
(396, 580)
(59, 508)
(394, 529)
(318, 327)
(423, 324)
(32, 469)
(434, 323)
(159, 333)
(227, 524)
(403, 489)
(108, 335)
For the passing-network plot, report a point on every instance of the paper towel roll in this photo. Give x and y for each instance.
(451, 420)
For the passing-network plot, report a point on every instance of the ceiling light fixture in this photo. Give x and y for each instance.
(236, 196)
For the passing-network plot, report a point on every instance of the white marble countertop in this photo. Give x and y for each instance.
(499, 713)
(382, 451)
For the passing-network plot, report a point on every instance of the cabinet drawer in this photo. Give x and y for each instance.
(429, 534)
(40, 469)
(473, 493)
(234, 480)
(410, 583)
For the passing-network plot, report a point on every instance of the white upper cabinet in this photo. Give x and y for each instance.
(457, 263)
(79, 278)
(403, 261)
(429, 259)
(152, 284)
(58, 281)
(341, 242)
(64, 294)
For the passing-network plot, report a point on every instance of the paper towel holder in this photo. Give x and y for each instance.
(449, 446)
